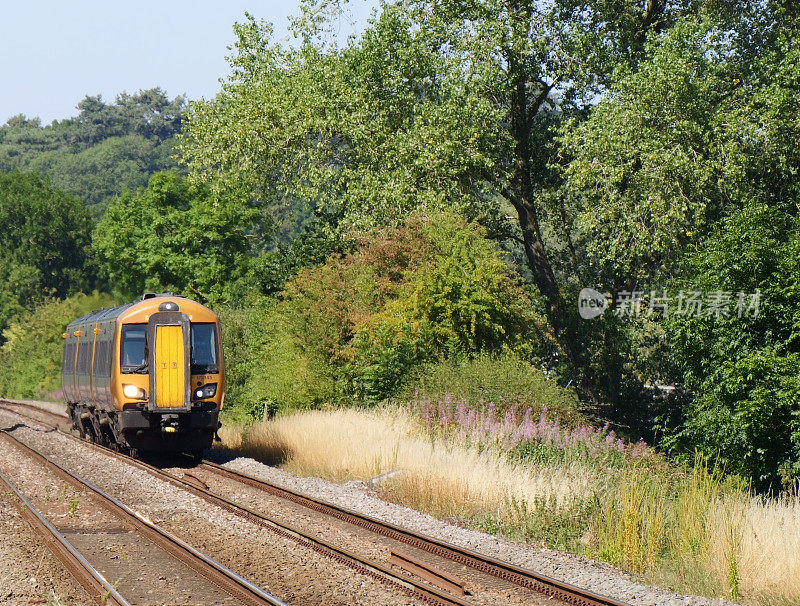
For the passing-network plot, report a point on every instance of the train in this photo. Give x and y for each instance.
(147, 377)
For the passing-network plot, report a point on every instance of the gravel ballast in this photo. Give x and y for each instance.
(291, 572)
(358, 496)
(29, 572)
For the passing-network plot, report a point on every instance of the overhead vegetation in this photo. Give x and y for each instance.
(172, 236)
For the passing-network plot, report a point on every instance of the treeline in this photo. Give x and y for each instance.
(106, 148)
(441, 189)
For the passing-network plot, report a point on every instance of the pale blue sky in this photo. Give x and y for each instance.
(53, 52)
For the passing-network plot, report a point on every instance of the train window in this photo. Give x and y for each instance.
(102, 362)
(133, 350)
(204, 347)
(69, 358)
(84, 355)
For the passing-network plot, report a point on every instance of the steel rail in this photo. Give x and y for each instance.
(227, 580)
(410, 586)
(12, 405)
(361, 564)
(87, 576)
(374, 569)
(487, 564)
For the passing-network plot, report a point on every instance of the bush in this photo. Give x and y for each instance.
(504, 379)
(350, 330)
(30, 358)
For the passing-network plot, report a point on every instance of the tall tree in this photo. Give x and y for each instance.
(44, 244)
(461, 105)
(173, 236)
(106, 147)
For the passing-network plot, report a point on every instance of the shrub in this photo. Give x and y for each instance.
(30, 358)
(504, 379)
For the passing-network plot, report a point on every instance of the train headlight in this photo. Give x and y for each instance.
(132, 391)
(206, 391)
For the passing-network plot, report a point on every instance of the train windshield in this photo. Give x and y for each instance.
(204, 347)
(133, 352)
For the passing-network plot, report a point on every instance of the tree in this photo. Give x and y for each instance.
(173, 236)
(440, 104)
(105, 148)
(742, 369)
(44, 244)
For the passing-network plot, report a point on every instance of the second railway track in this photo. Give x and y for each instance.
(481, 569)
(164, 556)
(412, 587)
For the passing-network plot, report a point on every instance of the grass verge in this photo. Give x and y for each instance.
(689, 530)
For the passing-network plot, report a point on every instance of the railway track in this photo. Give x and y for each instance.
(414, 588)
(228, 582)
(87, 576)
(503, 572)
(447, 551)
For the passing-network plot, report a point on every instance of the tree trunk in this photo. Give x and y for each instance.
(524, 107)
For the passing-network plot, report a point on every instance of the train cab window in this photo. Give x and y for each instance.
(204, 347)
(133, 350)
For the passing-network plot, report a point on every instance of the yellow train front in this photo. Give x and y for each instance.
(147, 377)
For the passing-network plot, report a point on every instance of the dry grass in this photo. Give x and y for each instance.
(754, 545)
(691, 531)
(446, 479)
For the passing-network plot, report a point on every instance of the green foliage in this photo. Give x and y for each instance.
(367, 133)
(44, 244)
(421, 111)
(103, 150)
(268, 363)
(687, 138)
(744, 372)
(452, 105)
(352, 328)
(101, 171)
(30, 357)
(173, 236)
(686, 177)
(505, 380)
(640, 180)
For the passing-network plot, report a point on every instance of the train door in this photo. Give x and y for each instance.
(169, 366)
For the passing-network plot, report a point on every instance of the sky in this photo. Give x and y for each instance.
(54, 53)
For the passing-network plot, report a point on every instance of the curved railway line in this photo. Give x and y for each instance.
(489, 571)
(231, 584)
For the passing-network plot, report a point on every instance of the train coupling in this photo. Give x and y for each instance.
(169, 423)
